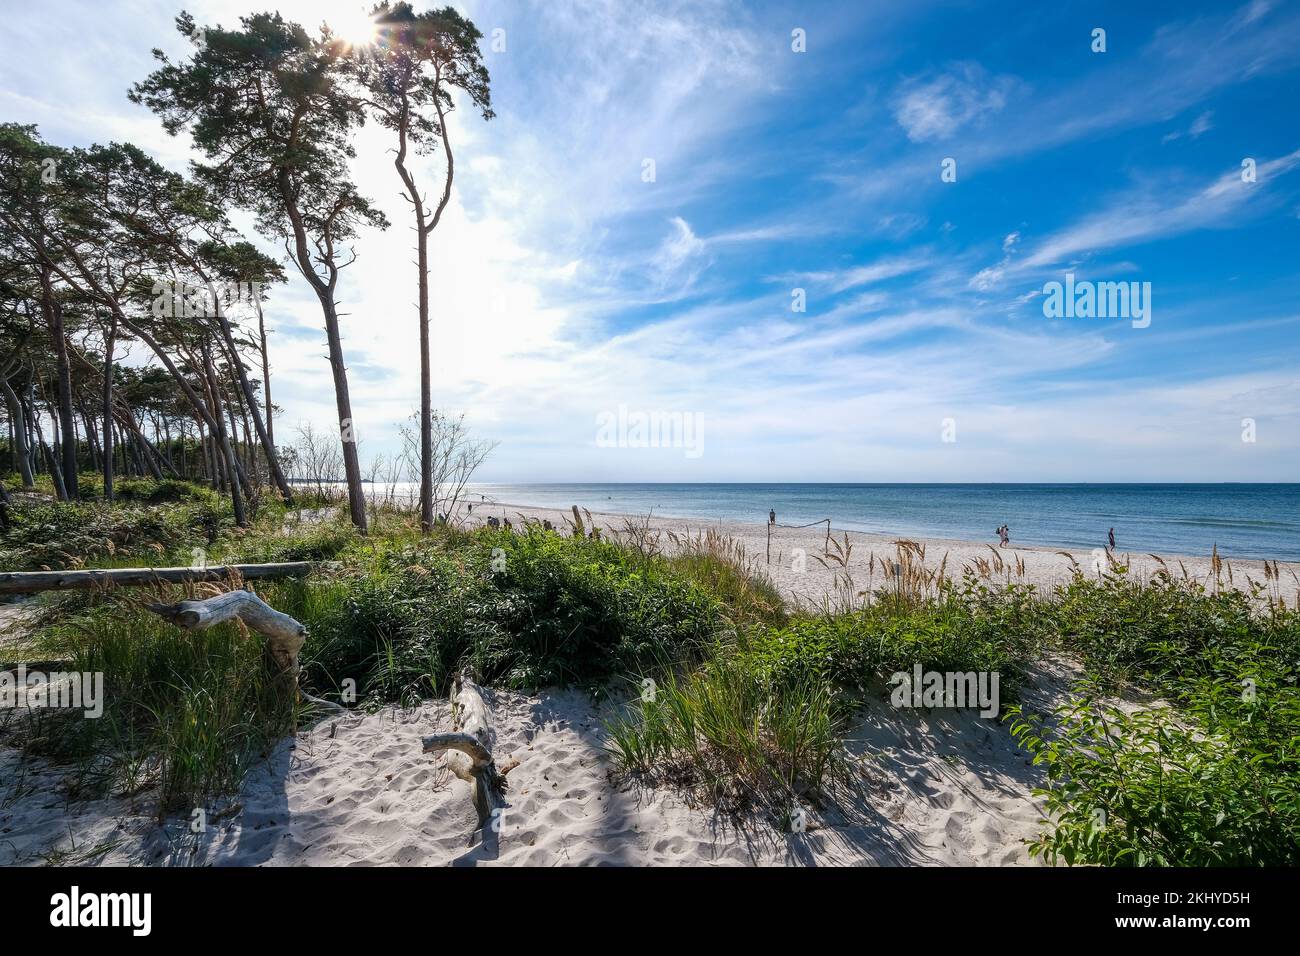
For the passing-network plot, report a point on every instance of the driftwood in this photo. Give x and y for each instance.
(30, 582)
(469, 753)
(285, 636)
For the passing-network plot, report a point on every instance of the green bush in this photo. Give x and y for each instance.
(1164, 630)
(1209, 777)
(1215, 782)
(966, 629)
(524, 611)
(151, 491)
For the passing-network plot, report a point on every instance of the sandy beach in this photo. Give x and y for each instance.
(805, 565)
(938, 788)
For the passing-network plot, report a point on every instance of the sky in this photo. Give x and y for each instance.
(820, 234)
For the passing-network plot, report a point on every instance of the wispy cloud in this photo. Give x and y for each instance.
(1143, 217)
(939, 107)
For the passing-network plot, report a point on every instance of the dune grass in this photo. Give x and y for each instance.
(739, 699)
(185, 715)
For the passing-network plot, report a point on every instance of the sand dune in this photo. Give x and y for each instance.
(940, 787)
(943, 787)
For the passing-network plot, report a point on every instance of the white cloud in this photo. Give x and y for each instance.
(1134, 219)
(1200, 126)
(936, 109)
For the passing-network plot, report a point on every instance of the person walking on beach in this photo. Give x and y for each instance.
(1111, 538)
(771, 516)
(1004, 536)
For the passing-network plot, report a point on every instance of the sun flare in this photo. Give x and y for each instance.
(353, 26)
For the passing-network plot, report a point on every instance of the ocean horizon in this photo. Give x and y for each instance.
(1244, 520)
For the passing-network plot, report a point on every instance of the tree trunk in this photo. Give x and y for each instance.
(266, 375)
(56, 473)
(208, 472)
(53, 312)
(146, 453)
(92, 437)
(241, 378)
(35, 582)
(351, 460)
(19, 424)
(469, 754)
(422, 285)
(325, 293)
(223, 438)
(109, 344)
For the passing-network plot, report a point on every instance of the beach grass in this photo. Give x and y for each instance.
(749, 700)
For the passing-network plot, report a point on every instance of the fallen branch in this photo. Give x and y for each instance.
(469, 751)
(31, 582)
(285, 635)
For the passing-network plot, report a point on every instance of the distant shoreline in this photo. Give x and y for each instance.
(810, 580)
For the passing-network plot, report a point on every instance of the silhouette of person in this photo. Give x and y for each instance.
(771, 516)
(1111, 538)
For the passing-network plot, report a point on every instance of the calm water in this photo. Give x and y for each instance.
(1244, 520)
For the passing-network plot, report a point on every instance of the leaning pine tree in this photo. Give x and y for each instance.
(267, 107)
(408, 75)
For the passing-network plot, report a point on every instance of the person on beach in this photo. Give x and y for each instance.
(771, 516)
(1004, 536)
(1111, 538)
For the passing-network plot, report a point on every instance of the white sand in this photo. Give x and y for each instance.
(940, 788)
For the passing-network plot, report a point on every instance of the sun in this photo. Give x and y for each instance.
(353, 26)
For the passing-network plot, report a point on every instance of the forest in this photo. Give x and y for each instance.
(134, 336)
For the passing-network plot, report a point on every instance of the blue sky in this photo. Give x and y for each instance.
(566, 286)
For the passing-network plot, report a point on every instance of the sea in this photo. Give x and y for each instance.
(1242, 520)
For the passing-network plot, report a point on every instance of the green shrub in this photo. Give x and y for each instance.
(965, 629)
(1215, 782)
(59, 535)
(157, 491)
(1210, 777)
(1165, 630)
(525, 611)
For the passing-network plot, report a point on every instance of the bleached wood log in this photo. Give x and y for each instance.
(469, 750)
(31, 582)
(285, 636)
